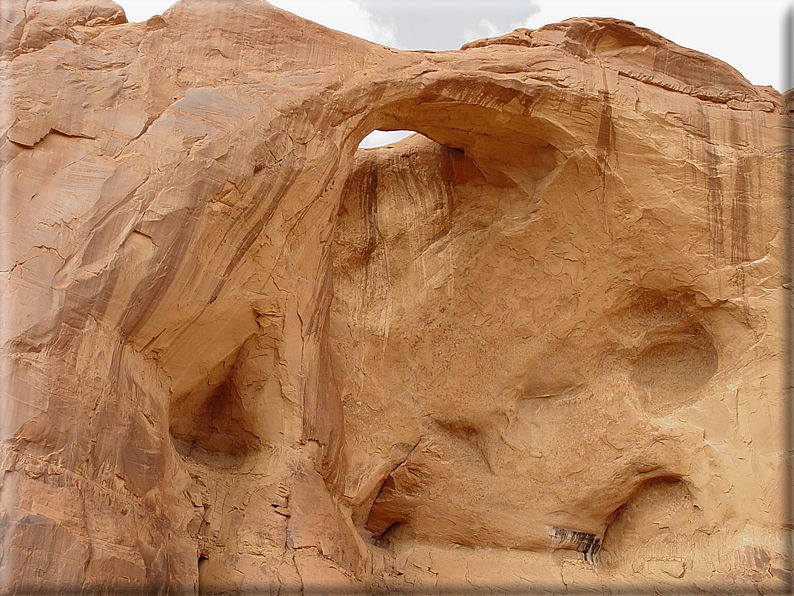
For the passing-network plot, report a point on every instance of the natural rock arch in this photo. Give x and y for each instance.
(213, 378)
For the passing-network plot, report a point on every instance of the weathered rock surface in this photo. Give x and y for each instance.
(241, 355)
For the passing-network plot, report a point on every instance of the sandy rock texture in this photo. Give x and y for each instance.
(535, 346)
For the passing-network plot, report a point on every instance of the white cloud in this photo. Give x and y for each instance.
(350, 16)
(527, 23)
(745, 35)
(484, 28)
(140, 10)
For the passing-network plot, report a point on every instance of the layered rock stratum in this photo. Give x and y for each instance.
(536, 346)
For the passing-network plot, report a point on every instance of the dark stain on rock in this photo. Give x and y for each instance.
(587, 544)
(605, 141)
(153, 288)
(369, 206)
(741, 212)
(368, 191)
(715, 193)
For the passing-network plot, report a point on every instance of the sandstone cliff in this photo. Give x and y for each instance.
(242, 355)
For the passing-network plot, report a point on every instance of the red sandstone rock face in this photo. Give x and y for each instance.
(242, 355)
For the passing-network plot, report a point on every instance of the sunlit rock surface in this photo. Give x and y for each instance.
(540, 338)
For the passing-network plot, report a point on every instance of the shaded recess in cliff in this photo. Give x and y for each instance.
(653, 519)
(238, 407)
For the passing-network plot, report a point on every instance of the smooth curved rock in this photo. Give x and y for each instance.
(242, 354)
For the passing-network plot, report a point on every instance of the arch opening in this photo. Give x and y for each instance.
(381, 138)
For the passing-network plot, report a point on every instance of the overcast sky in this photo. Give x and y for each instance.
(745, 33)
